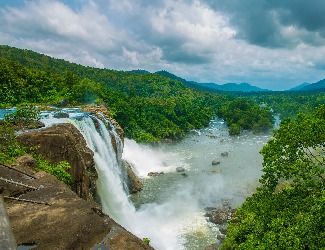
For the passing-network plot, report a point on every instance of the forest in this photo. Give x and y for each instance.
(150, 107)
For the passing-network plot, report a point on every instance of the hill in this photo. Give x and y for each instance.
(231, 87)
(299, 87)
(317, 86)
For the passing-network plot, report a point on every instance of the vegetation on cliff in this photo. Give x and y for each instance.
(10, 148)
(287, 211)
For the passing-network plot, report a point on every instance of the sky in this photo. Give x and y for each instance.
(274, 44)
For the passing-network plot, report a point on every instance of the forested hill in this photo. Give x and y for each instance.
(149, 107)
(317, 86)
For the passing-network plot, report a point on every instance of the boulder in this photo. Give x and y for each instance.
(215, 162)
(155, 174)
(221, 215)
(221, 237)
(61, 115)
(63, 142)
(180, 169)
(134, 183)
(224, 154)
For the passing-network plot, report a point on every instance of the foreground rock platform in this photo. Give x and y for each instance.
(68, 222)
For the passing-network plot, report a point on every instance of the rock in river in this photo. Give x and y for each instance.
(224, 154)
(154, 174)
(215, 162)
(180, 169)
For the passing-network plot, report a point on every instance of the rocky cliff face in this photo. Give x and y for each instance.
(63, 142)
(66, 221)
(102, 110)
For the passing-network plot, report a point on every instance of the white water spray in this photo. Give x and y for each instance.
(110, 177)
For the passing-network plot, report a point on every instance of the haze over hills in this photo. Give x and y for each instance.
(237, 87)
(299, 87)
(317, 86)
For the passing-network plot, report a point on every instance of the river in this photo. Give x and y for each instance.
(174, 203)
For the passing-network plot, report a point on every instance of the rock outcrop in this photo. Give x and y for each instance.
(102, 110)
(135, 184)
(63, 142)
(215, 162)
(220, 216)
(68, 222)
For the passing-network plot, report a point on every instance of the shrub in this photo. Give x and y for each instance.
(9, 146)
(25, 116)
(59, 170)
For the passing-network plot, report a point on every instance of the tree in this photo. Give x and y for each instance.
(288, 210)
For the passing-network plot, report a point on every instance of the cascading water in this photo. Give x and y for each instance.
(110, 183)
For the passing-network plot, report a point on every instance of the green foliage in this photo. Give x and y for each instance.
(146, 241)
(287, 216)
(25, 116)
(59, 170)
(242, 114)
(288, 104)
(9, 147)
(149, 107)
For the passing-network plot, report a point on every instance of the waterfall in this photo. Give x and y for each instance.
(164, 223)
(110, 183)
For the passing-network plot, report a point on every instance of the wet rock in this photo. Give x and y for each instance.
(215, 162)
(221, 237)
(224, 154)
(101, 110)
(155, 174)
(135, 184)
(220, 216)
(63, 142)
(60, 115)
(223, 228)
(180, 169)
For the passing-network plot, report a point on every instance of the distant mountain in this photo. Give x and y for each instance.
(299, 87)
(317, 86)
(239, 87)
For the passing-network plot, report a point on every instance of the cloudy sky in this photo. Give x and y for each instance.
(271, 43)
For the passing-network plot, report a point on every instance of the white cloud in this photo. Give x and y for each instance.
(186, 37)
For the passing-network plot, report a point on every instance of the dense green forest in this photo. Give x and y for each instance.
(287, 211)
(288, 104)
(149, 107)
